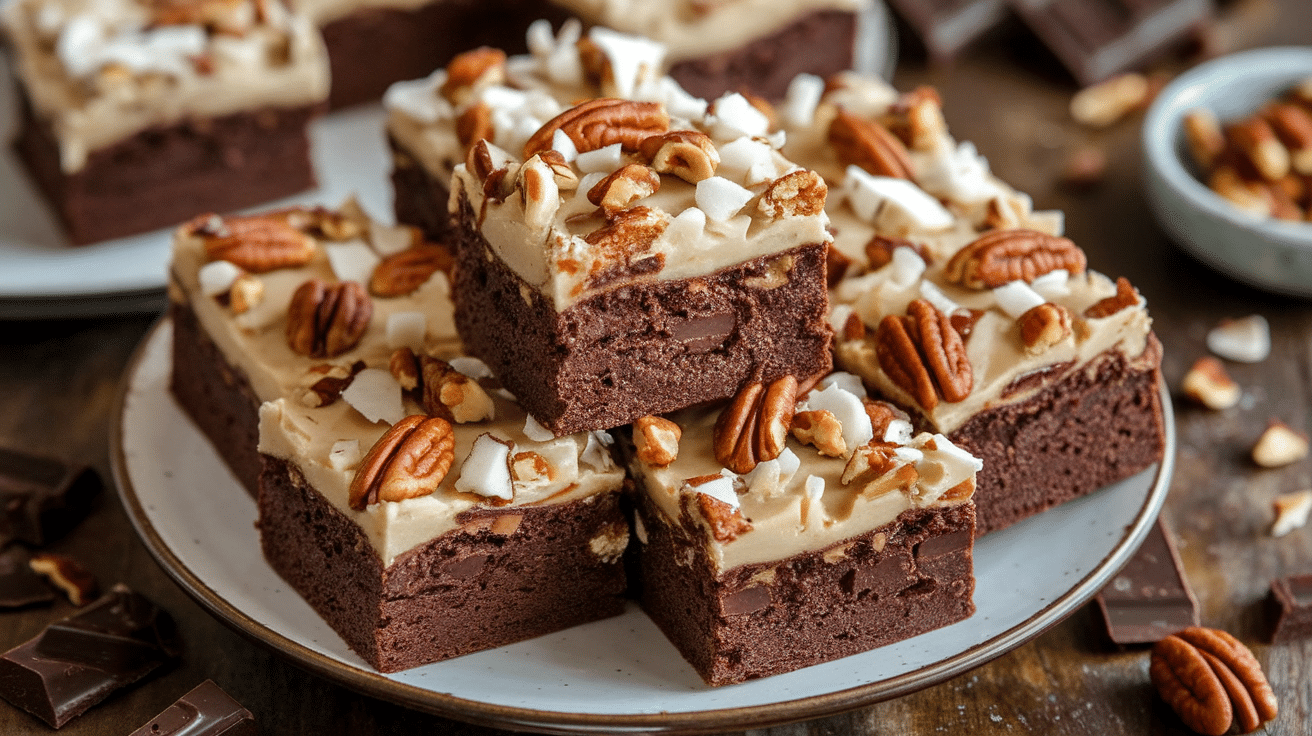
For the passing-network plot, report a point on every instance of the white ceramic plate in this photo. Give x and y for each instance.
(610, 676)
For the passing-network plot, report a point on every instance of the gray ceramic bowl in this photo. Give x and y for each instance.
(1268, 253)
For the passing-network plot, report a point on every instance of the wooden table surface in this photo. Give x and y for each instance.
(58, 381)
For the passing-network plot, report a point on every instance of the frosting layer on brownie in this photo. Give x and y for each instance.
(100, 71)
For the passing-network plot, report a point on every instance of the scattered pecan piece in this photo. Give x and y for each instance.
(328, 381)
(627, 232)
(879, 251)
(324, 320)
(820, 429)
(409, 461)
(1043, 326)
(726, 521)
(67, 574)
(754, 427)
(656, 440)
(256, 244)
(882, 414)
(1211, 679)
(923, 355)
(799, 193)
(1208, 383)
(624, 186)
(601, 122)
(404, 367)
(475, 124)
(836, 265)
(451, 395)
(687, 154)
(869, 145)
(1125, 297)
(1254, 138)
(467, 71)
(1279, 444)
(853, 327)
(1202, 132)
(870, 462)
(1002, 256)
(403, 272)
(1293, 125)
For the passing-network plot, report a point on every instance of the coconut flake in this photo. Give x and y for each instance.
(564, 145)
(848, 410)
(603, 160)
(898, 431)
(689, 226)
(217, 277)
(1016, 298)
(720, 489)
(907, 267)
(734, 115)
(419, 99)
(935, 295)
(535, 431)
(390, 239)
(892, 199)
(486, 470)
(849, 382)
(344, 455)
(471, 367)
(1053, 284)
(720, 198)
(376, 395)
(801, 100)
(1247, 340)
(352, 260)
(632, 58)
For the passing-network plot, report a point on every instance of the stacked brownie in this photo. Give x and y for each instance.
(402, 494)
(137, 115)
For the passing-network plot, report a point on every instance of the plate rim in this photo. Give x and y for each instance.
(685, 722)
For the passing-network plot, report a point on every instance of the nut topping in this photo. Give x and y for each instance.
(1211, 679)
(1254, 138)
(822, 430)
(475, 124)
(1208, 383)
(327, 382)
(869, 145)
(1043, 326)
(470, 70)
(599, 123)
(1002, 256)
(1202, 131)
(923, 355)
(1125, 297)
(1279, 445)
(687, 154)
(403, 272)
(656, 440)
(870, 462)
(1293, 126)
(409, 461)
(879, 251)
(798, 193)
(624, 186)
(452, 395)
(324, 320)
(754, 427)
(256, 244)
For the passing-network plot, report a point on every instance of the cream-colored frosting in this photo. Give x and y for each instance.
(99, 71)
(785, 519)
(696, 28)
(255, 343)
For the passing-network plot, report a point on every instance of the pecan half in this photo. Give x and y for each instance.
(869, 145)
(924, 355)
(409, 461)
(687, 154)
(879, 251)
(467, 71)
(403, 272)
(599, 123)
(1125, 297)
(1043, 326)
(324, 320)
(754, 427)
(1211, 679)
(257, 244)
(624, 186)
(656, 440)
(1003, 256)
(798, 193)
(450, 394)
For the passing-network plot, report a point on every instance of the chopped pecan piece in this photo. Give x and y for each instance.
(879, 251)
(687, 154)
(1211, 680)
(1125, 297)
(726, 521)
(923, 355)
(1254, 138)
(1002, 256)
(256, 244)
(836, 265)
(467, 71)
(403, 272)
(599, 123)
(324, 320)
(404, 367)
(882, 414)
(869, 145)
(870, 462)
(799, 193)
(452, 395)
(475, 124)
(1043, 326)
(820, 429)
(624, 186)
(656, 440)
(409, 461)
(327, 382)
(754, 427)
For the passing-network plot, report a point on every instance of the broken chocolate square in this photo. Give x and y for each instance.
(42, 498)
(205, 711)
(1293, 598)
(1149, 599)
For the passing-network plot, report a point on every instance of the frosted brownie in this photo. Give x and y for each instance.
(432, 122)
(136, 115)
(625, 261)
(971, 311)
(413, 506)
(762, 553)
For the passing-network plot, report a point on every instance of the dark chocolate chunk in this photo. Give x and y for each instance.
(79, 661)
(42, 498)
(747, 600)
(1293, 598)
(205, 711)
(1149, 599)
(943, 544)
(1095, 39)
(19, 586)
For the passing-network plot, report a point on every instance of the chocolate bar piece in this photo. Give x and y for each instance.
(1293, 598)
(948, 26)
(1095, 39)
(1149, 599)
(42, 498)
(205, 711)
(79, 661)
(19, 586)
